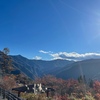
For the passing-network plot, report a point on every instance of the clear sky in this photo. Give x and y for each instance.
(49, 28)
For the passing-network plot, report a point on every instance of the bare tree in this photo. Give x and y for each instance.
(6, 51)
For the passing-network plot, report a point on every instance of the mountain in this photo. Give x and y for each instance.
(39, 68)
(60, 68)
(90, 68)
(24, 65)
(53, 65)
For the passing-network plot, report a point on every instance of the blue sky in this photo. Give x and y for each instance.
(48, 29)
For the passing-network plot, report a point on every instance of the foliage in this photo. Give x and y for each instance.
(8, 82)
(6, 62)
(96, 86)
(64, 89)
(71, 89)
(31, 96)
(6, 50)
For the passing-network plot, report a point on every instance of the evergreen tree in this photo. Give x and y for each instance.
(91, 83)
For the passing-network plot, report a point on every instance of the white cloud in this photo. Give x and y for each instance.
(37, 58)
(68, 55)
(45, 52)
(74, 56)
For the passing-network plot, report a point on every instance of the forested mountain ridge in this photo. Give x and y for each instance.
(60, 68)
(39, 68)
(90, 68)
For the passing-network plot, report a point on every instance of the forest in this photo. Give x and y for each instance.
(70, 89)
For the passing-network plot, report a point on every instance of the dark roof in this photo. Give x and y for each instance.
(24, 88)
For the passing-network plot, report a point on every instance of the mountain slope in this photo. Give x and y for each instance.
(49, 66)
(34, 68)
(90, 68)
(25, 65)
(60, 68)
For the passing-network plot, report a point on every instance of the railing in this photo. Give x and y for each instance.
(7, 95)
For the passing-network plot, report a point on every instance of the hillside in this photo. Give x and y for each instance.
(90, 68)
(34, 68)
(60, 68)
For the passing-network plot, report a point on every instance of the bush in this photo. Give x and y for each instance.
(31, 96)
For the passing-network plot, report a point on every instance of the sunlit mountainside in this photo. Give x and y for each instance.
(60, 68)
(90, 68)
